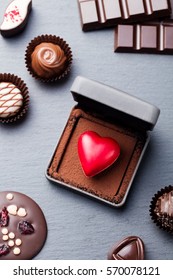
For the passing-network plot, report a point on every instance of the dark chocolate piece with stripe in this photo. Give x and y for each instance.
(97, 14)
(153, 37)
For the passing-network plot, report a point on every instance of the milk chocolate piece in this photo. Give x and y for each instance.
(48, 60)
(22, 237)
(161, 209)
(153, 37)
(97, 14)
(130, 248)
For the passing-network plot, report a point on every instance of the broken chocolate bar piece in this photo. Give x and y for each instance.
(97, 14)
(153, 37)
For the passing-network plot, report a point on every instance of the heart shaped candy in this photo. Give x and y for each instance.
(130, 248)
(96, 153)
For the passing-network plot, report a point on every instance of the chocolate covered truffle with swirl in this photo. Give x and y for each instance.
(48, 58)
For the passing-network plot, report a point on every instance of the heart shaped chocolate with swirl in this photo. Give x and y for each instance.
(130, 248)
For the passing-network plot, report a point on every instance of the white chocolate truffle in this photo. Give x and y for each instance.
(11, 100)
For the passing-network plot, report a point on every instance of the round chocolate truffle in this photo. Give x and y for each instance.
(14, 98)
(11, 100)
(161, 209)
(23, 228)
(48, 60)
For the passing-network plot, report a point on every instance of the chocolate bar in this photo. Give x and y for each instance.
(97, 14)
(153, 37)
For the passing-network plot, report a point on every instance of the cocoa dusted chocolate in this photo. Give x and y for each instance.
(23, 228)
(130, 248)
(97, 14)
(108, 113)
(15, 17)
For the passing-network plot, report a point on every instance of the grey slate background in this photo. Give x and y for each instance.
(80, 228)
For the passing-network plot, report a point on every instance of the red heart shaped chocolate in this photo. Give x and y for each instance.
(96, 153)
(130, 248)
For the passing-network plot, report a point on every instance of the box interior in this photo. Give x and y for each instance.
(110, 185)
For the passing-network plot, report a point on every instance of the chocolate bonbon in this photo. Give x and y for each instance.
(130, 248)
(14, 98)
(22, 237)
(153, 37)
(15, 17)
(106, 152)
(48, 58)
(161, 208)
(119, 122)
(11, 100)
(97, 14)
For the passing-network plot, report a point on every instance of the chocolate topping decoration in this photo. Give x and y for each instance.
(25, 227)
(4, 217)
(4, 249)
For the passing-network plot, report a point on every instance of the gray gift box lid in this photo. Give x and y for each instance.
(114, 103)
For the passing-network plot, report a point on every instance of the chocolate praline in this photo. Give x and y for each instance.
(48, 60)
(11, 100)
(161, 209)
(14, 98)
(130, 248)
